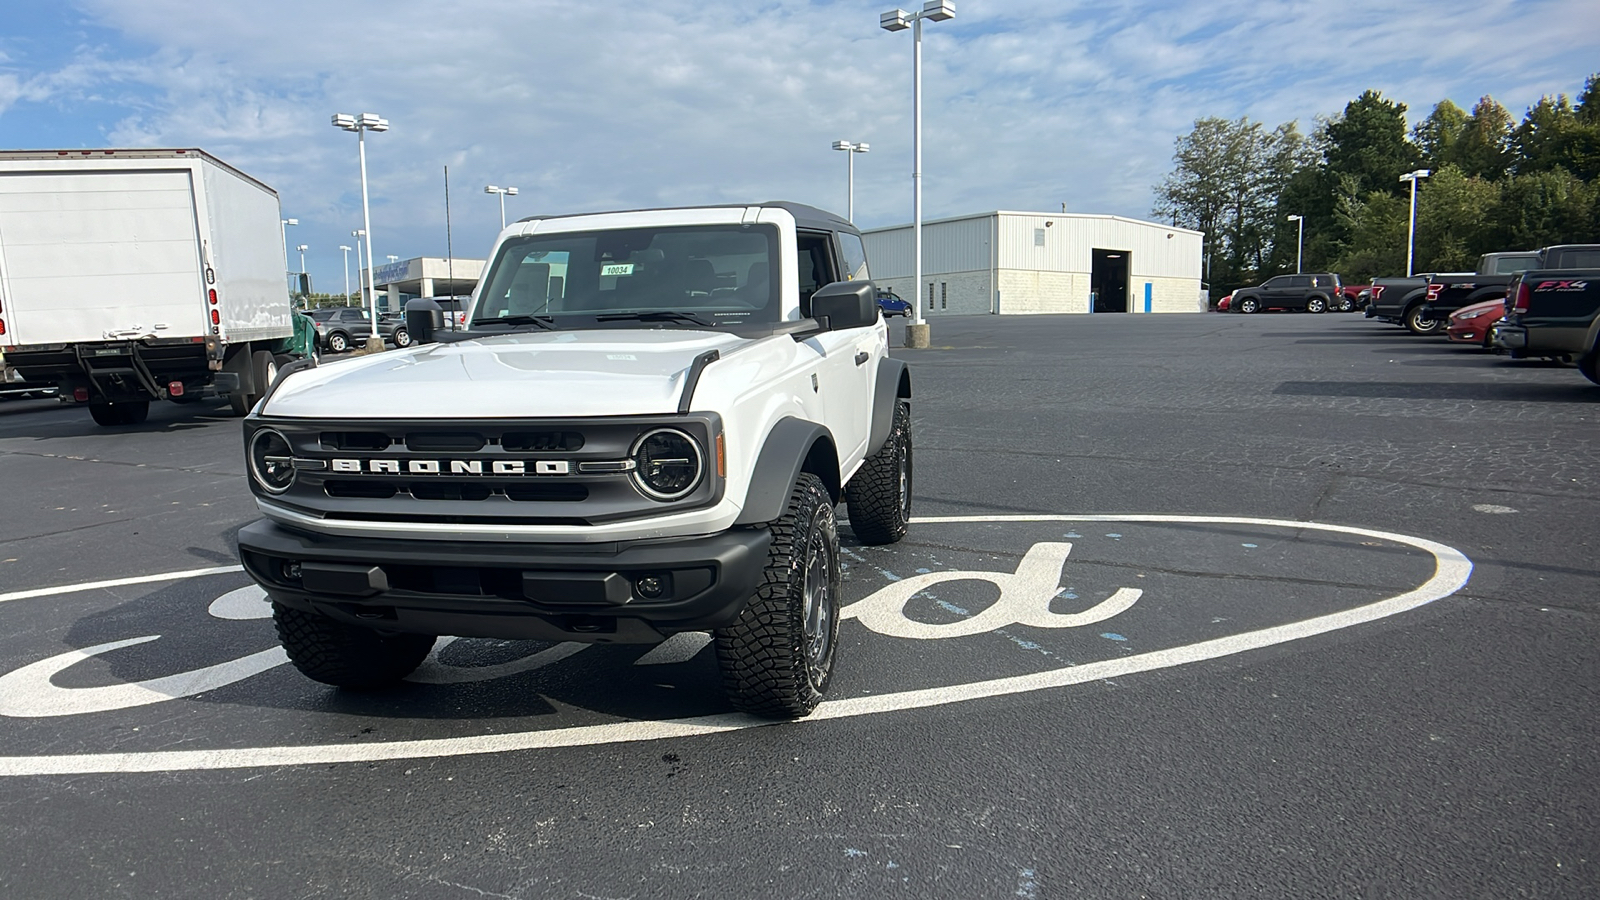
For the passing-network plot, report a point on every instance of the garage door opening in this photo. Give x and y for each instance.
(1108, 279)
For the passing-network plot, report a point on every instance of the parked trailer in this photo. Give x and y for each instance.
(135, 275)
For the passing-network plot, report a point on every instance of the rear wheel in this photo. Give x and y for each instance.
(777, 659)
(879, 496)
(1589, 365)
(1419, 322)
(1316, 305)
(347, 655)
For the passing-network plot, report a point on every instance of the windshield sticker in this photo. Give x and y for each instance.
(616, 269)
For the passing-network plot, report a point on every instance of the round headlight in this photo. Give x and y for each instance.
(271, 461)
(668, 464)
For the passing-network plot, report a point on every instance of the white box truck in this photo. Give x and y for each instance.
(135, 275)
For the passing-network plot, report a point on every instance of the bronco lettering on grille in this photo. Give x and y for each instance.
(451, 466)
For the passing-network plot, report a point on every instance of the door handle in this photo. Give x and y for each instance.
(862, 357)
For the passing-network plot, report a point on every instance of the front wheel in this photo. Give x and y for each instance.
(1249, 305)
(347, 655)
(402, 338)
(1346, 304)
(1316, 305)
(338, 343)
(879, 496)
(1419, 322)
(777, 659)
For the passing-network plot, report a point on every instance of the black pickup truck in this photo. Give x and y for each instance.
(1444, 294)
(1393, 299)
(1553, 309)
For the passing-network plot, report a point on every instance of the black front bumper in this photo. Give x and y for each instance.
(635, 593)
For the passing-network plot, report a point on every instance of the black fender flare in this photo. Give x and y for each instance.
(893, 385)
(792, 446)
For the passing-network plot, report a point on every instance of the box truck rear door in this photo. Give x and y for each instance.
(100, 255)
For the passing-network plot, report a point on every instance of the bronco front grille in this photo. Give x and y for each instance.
(489, 472)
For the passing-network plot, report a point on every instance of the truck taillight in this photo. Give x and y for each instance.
(2, 326)
(1521, 296)
(212, 296)
(215, 318)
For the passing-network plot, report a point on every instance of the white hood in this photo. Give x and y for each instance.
(536, 374)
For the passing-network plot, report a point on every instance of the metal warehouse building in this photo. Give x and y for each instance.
(1023, 262)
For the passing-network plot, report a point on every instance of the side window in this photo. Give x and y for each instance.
(1280, 281)
(1300, 281)
(814, 255)
(1512, 266)
(855, 257)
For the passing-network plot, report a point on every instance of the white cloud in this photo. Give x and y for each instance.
(1029, 103)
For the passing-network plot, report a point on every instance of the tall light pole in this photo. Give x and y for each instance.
(503, 192)
(360, 236)
(283, 226)
(850, 189)
(1300, 241)
(1411, 232)
(899, 20)
(303, 248)
(361, 125)
(346, 250)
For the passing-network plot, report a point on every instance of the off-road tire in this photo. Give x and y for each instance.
(347, 656)
(1249, 305)
(338, 342)
(774, 665)
(130, 412)
(879, 496)
(1316, 305)
(1416, 324)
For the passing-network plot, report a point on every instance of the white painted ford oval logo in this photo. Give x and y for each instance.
(967, 608)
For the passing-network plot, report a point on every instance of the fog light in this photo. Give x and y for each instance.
(291, 571)
(651, 587)
(81, 395)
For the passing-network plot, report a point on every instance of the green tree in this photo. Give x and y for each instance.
(1437, 135)
(1454, 226)
(1368, 142)
(1375, 225)
(1543, 208)
(1484, 149)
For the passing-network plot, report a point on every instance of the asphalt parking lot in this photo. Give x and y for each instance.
(1196, 605)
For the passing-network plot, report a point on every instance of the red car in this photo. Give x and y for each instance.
(1471, 324)
(1222, 305)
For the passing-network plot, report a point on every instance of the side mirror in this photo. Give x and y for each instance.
(423, 318)
(846, 304)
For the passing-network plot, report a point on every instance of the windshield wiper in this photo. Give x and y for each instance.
(544, 322)
(661, 315)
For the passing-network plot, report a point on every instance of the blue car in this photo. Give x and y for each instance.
(892, 305)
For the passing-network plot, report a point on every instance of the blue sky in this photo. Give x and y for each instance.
(1028, 103)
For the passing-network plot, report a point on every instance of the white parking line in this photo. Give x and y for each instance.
(117, 582)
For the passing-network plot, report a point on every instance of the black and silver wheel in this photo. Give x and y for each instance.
(347, 655)
(402, 338)
(1249, 305)
(1316, 305)
(338, 342)
(879, 496)
(1419, 322)
(1346, 304)
(777, 659)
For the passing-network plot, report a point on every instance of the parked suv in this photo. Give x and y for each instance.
(1315, 293)
(339, 327)
(642, 430)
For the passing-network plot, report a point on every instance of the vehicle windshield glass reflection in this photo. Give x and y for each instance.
(700, 276)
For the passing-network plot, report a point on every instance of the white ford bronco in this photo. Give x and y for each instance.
(643, 429)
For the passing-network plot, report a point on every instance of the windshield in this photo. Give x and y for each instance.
(720, 274)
